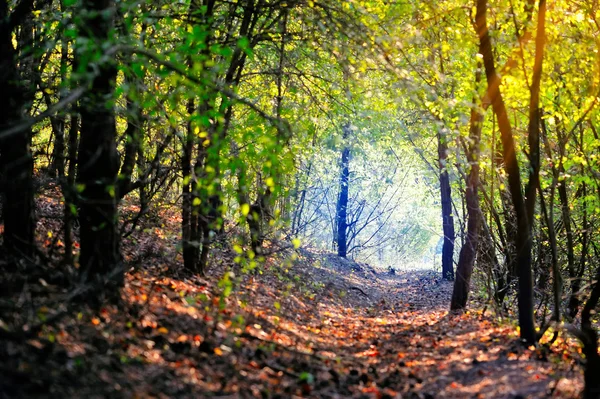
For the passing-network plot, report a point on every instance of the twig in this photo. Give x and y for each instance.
(359, 290)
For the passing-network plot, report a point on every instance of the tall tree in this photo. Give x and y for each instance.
(341, 208)
(466, 260)
(16, 162)
(447, 218)
(523, 237)
(98, 160)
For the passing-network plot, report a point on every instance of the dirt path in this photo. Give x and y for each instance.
(394, 332)
(320, 328)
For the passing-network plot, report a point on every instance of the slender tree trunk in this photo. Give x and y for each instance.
(574, 298)
(58, 150)
(342, 203)
(556, 277)
(16, 162)
(533, 129)
(68, 189)
(510, 251)
(466, 260)
(511, 164)
(133, 140)
(98, 160)
(590, 343)
(447, 218)
(200, 232)
(190, 260)
(557, 280)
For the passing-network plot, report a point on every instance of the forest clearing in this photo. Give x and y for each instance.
(299, 198)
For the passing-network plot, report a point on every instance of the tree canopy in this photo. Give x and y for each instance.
(459, 137)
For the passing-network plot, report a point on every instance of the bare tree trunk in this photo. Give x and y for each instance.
(576, 282)
(342, 202)
(98, 160)
(511, 164)
(447, 218)
(58, 150)
(557, 281)
(466, 260)
(68, 189)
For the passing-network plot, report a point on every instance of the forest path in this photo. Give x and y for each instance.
(386, 335)
(319, 327)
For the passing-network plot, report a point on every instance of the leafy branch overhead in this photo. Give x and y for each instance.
(266, 198)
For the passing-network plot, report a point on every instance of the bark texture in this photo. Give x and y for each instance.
(511, 164)
(342, 202)
(447, 218)
(468, 252)
(98, 160)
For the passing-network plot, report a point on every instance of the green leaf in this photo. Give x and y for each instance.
(307, 377)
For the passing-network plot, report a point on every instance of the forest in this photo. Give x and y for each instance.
(298, 198)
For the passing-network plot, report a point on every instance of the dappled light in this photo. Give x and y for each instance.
(300, 199)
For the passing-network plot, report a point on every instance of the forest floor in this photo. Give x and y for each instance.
(318, 326)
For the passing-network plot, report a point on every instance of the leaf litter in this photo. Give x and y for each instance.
(318, 327)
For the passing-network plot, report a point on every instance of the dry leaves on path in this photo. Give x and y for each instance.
(319, 327)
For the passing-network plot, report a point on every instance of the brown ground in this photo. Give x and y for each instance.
(318, 327)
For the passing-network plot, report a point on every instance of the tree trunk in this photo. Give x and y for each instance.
(68, 189)
(590, 343)
(510, 251)
(533, 128)
(16, 162)
(511, 164)
(133, 141)
(466, 260)
(190, 248)
(576, 282)
(341, 208)
(57, 167)
(447, 218)
(98, 160)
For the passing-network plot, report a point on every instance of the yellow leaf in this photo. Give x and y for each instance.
(163, 330)
(245, 208)
(296, 243)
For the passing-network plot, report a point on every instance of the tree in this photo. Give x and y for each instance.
(466, 260)
(98, 160)
(16, 161)
(447, 218)
(523, 236)
(341, 208)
